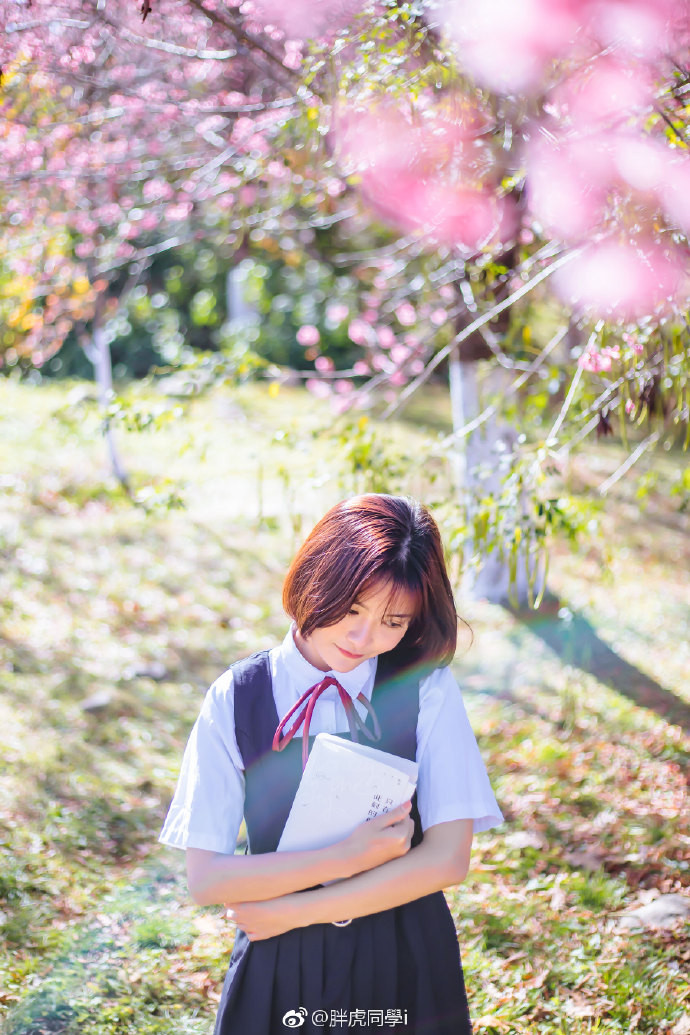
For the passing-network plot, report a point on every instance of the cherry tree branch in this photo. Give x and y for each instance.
(551, 438)
(253, 43)
(488, 411)
(475, 326)
(646, 444)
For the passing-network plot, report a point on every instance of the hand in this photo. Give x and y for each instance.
(379, 840)
(266, 919)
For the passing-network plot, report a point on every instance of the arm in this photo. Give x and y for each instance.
(441, 860)
(214, 878)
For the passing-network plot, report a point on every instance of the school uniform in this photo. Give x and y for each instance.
(399, 968)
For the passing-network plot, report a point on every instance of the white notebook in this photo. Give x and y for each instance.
(343, 785)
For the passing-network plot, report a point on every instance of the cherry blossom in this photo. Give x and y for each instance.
(624, 280)
(422, 175)
(303, 19)
(308, 335)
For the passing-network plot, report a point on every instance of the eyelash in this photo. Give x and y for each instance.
(391, 625)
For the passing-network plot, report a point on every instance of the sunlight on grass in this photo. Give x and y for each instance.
(115, 617)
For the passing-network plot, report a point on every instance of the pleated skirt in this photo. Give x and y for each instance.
(397, 970)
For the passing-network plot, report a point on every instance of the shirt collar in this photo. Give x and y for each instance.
(304, 674)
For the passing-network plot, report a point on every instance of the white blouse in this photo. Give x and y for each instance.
(206, 811)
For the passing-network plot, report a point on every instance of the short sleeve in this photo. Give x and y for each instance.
(206, 810)
(453, 782)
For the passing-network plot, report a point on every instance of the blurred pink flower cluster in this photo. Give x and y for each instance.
(596, 175)
(395, 346)
(431, 173)
(302, 19)
(600, 174)
(510, 47)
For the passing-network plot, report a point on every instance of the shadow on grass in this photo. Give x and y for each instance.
(577, 643)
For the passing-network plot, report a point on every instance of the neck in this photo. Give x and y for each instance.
(307, 652)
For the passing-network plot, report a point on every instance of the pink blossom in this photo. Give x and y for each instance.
(416, 367)
(640, 162)
(318, 388)
(399, 353)
(358, 332)
(343, 387)
(305, 19)
(629, 407)
(108, 214)
(406, 314)
(157, 190)
(603, 90)
(385, 337)
(576, 183)
(336, 313)
(423, 177)
(179, 211)
(594, 361)
(380, 362)
(341, 403)
(467, 218)
(397, 378)
(361, 368)
(632, 342)
(293, 55)
(149, 221)
(625, 280)
(568, 183)
(438, 316)
(642, 27)
(308, 335)
(84, 224)
(675, 191)
(508, 45)
(324, 364)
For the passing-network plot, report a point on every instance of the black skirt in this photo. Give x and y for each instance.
(397, 970)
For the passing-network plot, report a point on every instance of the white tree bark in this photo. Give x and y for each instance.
(98, 353)
(480, 461)
(236, 305)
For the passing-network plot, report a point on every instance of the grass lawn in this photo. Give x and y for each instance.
(115, 617)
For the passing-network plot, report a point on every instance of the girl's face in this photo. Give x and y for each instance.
(376, 623)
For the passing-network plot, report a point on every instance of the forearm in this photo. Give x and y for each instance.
(441, 860)
(214, 878)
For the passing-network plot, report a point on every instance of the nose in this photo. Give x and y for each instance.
(359, 632)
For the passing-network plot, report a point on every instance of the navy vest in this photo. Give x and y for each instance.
(272, 777)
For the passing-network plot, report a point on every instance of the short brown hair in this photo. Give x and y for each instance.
(369, 539)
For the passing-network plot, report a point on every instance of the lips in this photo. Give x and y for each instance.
(349, 654)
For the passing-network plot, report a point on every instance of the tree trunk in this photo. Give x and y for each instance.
(480, 458)
(237, 307)
(98, 352)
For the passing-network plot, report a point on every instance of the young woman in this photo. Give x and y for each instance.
(357, 934)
